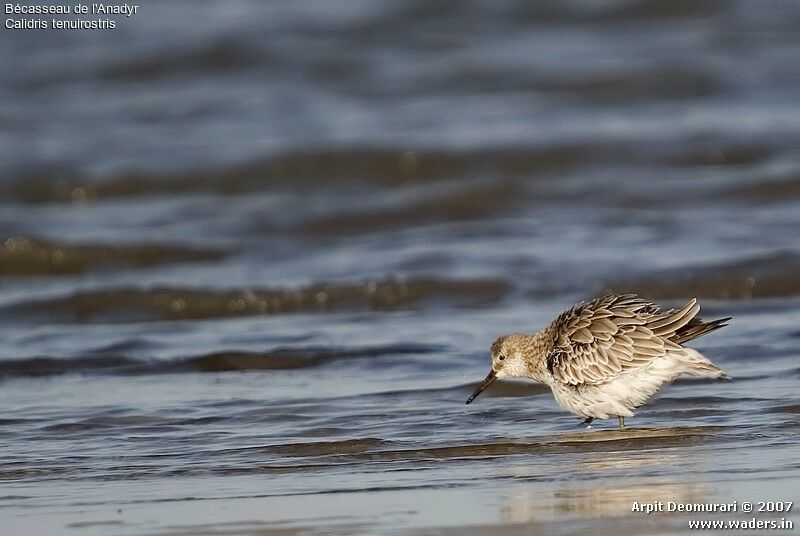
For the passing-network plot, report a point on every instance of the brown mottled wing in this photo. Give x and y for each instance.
(597, 341)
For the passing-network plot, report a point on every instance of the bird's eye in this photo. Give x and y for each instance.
(501, 357)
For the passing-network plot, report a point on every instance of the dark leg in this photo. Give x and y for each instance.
(588, 420)
(621, 421)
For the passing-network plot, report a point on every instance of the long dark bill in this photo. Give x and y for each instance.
(484, 384)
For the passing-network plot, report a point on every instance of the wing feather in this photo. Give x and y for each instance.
(582, 335)
(597, 341)
(674, 320)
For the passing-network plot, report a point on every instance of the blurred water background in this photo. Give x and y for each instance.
(254, 255)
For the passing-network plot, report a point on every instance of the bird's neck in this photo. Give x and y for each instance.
(535, 348)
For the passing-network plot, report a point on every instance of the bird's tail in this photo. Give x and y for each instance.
(696, 328)
(696, 364)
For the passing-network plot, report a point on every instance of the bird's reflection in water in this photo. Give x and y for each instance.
(610, 494)
(641, 461)
(609, 499)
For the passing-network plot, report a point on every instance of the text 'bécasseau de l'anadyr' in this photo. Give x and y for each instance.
(127, 10)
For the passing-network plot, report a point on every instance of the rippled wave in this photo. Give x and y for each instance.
(388, 167)
(23, 256)
(758, 277)
(224, 361)
(464, 205)
(131, 304)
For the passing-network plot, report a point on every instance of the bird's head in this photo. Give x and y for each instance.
(507, 361)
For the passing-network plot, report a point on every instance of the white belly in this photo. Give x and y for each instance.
(620, 396)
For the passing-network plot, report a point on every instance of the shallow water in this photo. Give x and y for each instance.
(250, 274)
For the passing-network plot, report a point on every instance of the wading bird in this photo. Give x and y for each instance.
(608, 356)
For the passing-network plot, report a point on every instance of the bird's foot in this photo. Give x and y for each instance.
(621, 421)
(588, 422)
